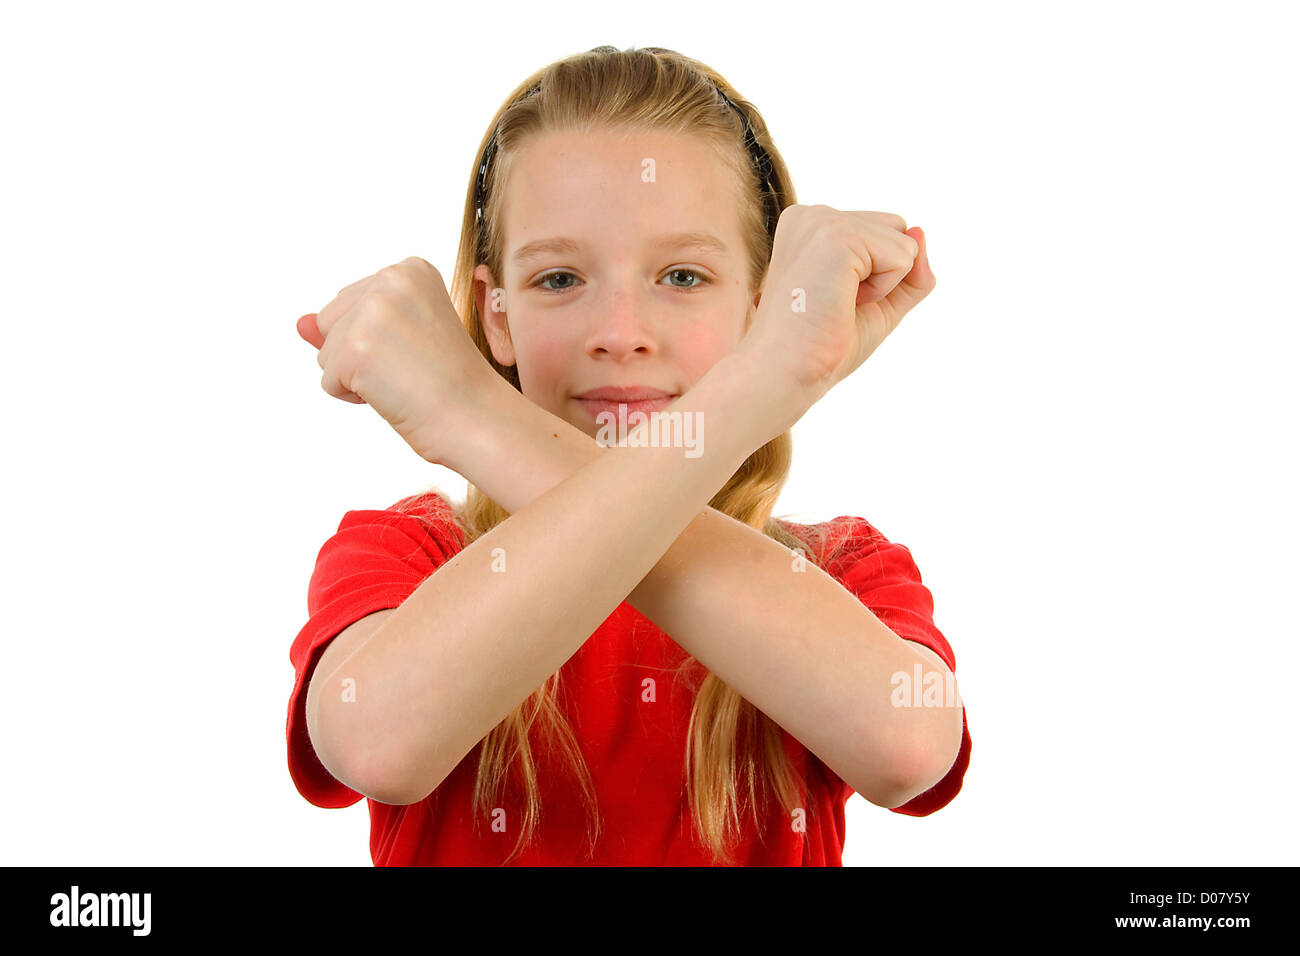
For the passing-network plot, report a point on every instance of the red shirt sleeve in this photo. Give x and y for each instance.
(884, 577)
(374, 561)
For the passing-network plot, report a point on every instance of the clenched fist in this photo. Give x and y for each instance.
(838, 283)
(393, 341)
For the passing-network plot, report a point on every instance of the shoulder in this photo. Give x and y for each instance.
(422, 523)
(426, 513)
(838, 540)
(430, 507)
(382, 547)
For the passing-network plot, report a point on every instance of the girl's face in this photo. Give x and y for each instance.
(624, 267)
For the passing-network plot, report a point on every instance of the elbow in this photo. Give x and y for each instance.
(372, 779)
(358, 768)
(377, 779)
(926, 762)
(907, 777)
(910, 779)
(393, 796)
(915, 784)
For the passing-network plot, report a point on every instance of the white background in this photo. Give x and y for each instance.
(1085, 435)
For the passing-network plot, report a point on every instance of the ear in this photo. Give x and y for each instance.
(494, 323)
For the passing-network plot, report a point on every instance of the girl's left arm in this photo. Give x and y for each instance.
(796, 644)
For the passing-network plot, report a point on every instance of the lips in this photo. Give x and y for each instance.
(628, 393)
(636, 398)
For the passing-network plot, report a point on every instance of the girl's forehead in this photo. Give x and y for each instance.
(672, 183)
(617, 145)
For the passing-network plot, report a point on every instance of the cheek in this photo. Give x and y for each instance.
(542, 363)
(701, 346)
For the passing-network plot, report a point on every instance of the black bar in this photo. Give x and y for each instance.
(916, 905)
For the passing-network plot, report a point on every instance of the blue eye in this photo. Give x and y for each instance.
(540, 283)
(690, 272)
(546, 278)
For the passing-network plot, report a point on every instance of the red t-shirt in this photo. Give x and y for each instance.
(633, 749)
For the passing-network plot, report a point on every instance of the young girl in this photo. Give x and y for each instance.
(617, 655)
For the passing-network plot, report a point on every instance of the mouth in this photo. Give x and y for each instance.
(632, 400)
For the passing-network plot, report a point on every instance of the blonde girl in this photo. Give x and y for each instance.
(615, 654)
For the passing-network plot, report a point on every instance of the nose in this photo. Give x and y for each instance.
(624, 325)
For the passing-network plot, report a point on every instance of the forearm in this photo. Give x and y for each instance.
(805, 651)
(515, 451)
(795, 644)
(493, 623)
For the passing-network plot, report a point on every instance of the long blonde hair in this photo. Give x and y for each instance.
(647, 88)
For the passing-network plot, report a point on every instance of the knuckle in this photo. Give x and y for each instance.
(359, 346)
(353, 285)
(823, 213)
(360, 339)
(371, 310)
(419, 265)
(362, 330)
(399, 277)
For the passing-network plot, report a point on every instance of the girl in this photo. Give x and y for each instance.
(617, 655)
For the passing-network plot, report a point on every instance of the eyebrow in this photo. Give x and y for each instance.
(696, 240)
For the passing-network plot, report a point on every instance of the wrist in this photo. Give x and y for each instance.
(474, 429)
(513, 450)
(779, 401)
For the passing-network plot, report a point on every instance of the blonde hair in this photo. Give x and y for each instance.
(647, 88)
